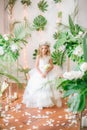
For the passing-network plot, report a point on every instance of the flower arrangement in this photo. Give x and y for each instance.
(74, 84)
(10, 47)
(27, 2)
(57, 1)
(72, 41)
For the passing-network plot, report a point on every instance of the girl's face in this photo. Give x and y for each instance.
(44, 50)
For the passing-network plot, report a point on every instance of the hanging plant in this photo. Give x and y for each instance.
(42, 5)
(57, 1)
(27, 2)
(39, 22)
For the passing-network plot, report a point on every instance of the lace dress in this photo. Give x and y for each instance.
(40, 92)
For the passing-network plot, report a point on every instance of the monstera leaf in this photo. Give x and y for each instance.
(39, 22)
(57, 58)
(74, 28)
(42, 5)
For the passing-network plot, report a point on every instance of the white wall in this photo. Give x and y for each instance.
(82, 14)
(1, 16)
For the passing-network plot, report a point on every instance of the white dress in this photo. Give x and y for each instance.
(40, 92)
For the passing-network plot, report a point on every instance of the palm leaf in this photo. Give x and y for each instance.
(85, 47)
(22, 30)
(12, 78)
(71, 25)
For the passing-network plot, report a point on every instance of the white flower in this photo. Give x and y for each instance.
(78, 51)
(1, 50)
(73, 75)
(80, 33)
(62, 48)
(46, 67)
(83, 67)
(14, 47)
(5, 36)
(4, 86)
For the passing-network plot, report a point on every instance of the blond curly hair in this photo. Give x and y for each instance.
(40, 49)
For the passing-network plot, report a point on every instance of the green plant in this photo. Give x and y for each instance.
(35, 53)
(72, 39)
(57, 1)
(10, 47)
(27, 2)
(39, 22)
(57, 56)
(42, 5)
(22, 30)
(55, 35)
(75, 88)
(10, 4)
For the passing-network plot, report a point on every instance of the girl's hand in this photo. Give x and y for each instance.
(44, 75)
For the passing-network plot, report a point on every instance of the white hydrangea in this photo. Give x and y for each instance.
(5, 36)
(78, 51)
(83, 67)
(73, 75)
(62, 48)
(1, 50)
(80, 33)
(14, 47)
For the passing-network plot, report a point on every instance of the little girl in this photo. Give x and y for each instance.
(40, 91)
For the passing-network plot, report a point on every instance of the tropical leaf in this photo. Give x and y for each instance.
(11, 77)
(71, 26)
(42, 5)
(82, 103)
(39, 22)
(27, 2)
(69, 92)
(57, 1)
(22, 30)
(85, 47)
(35, 53)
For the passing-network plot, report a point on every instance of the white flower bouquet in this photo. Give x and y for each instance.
(46, 67)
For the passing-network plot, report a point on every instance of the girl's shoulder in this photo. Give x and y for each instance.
(38, 57)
